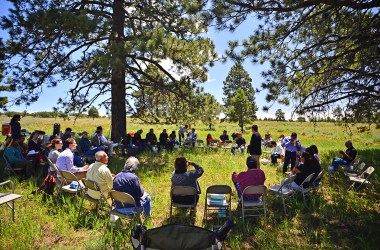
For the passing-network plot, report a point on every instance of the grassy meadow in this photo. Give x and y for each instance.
(336, 219)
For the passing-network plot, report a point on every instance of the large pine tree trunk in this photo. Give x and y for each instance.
(118, 109)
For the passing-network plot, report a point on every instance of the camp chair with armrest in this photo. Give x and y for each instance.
(66, 179)
(182, 191)
(302, 188)
(224, 192)
(127, 200)
(362, 179)
(94, 186)
(254, 205)
(284, 190)
(9, 198)
(176, 236)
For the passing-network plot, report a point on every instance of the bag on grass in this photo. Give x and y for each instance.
(48, 185)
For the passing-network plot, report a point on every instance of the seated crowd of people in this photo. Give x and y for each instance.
(62, 152)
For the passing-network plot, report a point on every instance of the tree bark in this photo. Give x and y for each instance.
(118, 108)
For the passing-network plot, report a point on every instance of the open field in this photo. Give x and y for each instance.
(338, 219)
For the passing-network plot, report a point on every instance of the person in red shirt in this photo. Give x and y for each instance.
(251, 177)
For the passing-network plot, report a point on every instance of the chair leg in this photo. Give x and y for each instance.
(171, 212)
(283, 203)
(80, 208)
(353, 184)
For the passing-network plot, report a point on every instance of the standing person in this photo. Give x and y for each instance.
(181, 133)
(15, 126)
(347, 158)
(65, 160)
(14, 156)
(100, 173)
(252, 177)
(291, 144)
(254, 147)
(193, 137)
(128, 182)
(182, 177)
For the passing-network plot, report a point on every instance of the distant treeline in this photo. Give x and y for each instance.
(45, 114)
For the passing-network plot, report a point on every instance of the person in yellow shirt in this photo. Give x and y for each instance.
(100, 173)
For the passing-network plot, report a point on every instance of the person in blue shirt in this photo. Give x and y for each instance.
(127, 181)
(291, 144)
(14, 157)
(86, 147)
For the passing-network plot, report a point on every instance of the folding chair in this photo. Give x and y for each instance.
(356, 172)
(200, 144)
(8, 170)
(302, 188)
(317, 183)
(363, 178)
(91, 185)
(284, 190)
(253, 205)
(214, 144)
(225, 203)
(9, 198)
(227, 145)
(125, 199)
(182, 191)
(66, 179)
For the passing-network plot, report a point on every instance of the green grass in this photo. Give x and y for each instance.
(338, 219)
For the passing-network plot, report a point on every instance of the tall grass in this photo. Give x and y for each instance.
(339, 219)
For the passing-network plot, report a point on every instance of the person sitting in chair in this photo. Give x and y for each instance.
(308, 165)
(277, 152)
(65, 160)
(347, 158)
(100, 173)
(252, 177)
(14, 157)
(224, 137)
(86, 147)
(127, 181)
(182, 177)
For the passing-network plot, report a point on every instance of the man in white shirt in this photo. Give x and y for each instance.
(100, 173)
(277, 152)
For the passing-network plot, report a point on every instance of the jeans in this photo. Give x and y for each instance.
(338, 161)
(274, 158)
(145, 204)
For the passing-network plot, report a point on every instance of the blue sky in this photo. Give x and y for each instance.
(214, 85)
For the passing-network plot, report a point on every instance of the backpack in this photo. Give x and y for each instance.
(48, 185)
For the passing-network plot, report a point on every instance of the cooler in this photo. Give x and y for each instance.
(6, 129)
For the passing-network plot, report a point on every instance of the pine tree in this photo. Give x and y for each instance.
(103, 48)
(240, 108)
(238, 78)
